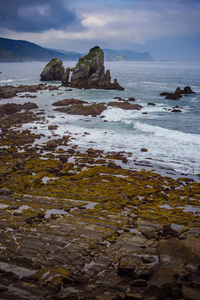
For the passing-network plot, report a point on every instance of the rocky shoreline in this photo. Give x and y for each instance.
(77, 225)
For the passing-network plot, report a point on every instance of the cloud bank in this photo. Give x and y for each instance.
(77, 25)
(35, 16)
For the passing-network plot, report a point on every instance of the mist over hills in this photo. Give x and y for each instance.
(21, 51)
(126, 55)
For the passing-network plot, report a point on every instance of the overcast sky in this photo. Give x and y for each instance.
(167, 29)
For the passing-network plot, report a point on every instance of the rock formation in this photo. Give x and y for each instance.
(54, 70)
(178, 93)
(90, 73)
(78, 107)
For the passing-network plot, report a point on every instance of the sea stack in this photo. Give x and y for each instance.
(90, 73)
(54, 70)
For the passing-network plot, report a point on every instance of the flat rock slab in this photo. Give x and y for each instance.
(82, 251)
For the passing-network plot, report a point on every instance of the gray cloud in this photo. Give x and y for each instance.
(35, 16)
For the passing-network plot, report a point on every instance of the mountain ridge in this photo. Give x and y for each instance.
(20, 51)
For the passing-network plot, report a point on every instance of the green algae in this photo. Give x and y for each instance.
(106, 183)
(88, 58)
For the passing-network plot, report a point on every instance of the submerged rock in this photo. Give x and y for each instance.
(54, 70)
(90, 73)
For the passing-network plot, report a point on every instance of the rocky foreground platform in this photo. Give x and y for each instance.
(78, 225)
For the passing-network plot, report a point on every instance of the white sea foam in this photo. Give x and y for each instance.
(127, 116)
(118, 114)
(6, 80)
(168, 134)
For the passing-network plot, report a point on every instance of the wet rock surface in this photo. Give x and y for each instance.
(65, 249)
(9, 91)
(67, 102)
(77, 225)
(12, 108)
(79, 107)
(85, 110)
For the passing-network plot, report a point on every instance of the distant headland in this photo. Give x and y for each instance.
(21, 51)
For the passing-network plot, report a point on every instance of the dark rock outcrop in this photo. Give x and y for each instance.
(78, 107)
(85, 110)
(178, 93)
(12, 108)
(125, 105)
(90, 73)
(9, 91)
(176, 110)
(187, 90)
(6, 95)
(67, 102)
(54, 70)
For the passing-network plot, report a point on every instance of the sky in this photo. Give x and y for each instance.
(169, 30)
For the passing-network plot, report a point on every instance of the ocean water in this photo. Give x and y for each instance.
(172, 139)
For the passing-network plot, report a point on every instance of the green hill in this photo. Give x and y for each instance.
(19, 51)
(8, 56)
(24, 50)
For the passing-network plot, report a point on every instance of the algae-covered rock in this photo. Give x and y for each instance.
(90, 72)
(54, 70)
(13, 108)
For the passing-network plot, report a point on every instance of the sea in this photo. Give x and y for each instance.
(171, 138)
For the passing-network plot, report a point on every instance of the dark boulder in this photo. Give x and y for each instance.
(54, 70)
(29, 105)
(176, 110)
(132, 99)
(150, 103)
(173, 96)
(51, 144)
(187, 90)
